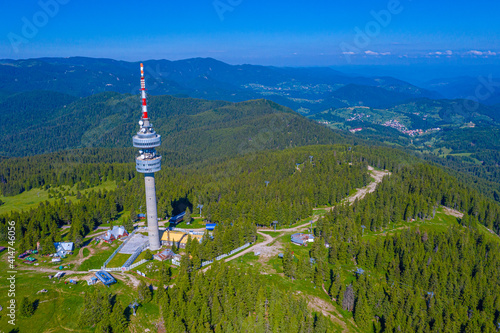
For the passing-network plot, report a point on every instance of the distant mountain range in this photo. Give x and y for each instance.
(80, 102)
(306, 90)
(484, 89)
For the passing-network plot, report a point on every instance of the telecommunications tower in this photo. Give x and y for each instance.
(148, 162)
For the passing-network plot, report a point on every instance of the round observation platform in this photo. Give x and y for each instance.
(146, 141)
(148, 165)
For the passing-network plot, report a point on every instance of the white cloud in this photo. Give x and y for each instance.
(440, 53)
(481, 53)
(475, 52)
(373, 53)
(348, 53)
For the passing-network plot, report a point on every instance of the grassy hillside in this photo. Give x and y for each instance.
(33, 197)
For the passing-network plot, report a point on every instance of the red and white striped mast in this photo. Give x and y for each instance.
(143, 95)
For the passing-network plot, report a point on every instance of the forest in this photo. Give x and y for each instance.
(232, 191)
(413, 281)
(200, 128)
(222, 299)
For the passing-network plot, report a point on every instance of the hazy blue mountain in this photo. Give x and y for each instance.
(353, 94)
(307, 90)
(485, 89)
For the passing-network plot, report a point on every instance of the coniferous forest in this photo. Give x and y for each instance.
(383, 262)
(428, 280)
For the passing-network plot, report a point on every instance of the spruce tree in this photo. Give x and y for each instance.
(118, 320)
(143, 292)
(288, 263)
(187, 216)
(26, 308)
(362, 312)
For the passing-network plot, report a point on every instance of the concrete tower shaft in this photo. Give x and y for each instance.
(152, 215)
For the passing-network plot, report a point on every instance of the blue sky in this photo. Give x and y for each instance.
(292, 33)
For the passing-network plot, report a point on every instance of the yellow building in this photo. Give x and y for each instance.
(180, 238)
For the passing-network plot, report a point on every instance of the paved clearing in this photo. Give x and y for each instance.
(134, 243)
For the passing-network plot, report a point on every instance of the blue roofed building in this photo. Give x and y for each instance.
(302, 239)
(105, 277)
(64, 248)
(210, 226)
(360, 271)
(177, 218)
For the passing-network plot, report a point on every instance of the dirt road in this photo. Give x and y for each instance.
(377, 176)
(267, 251)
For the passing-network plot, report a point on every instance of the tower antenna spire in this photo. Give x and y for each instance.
(143, 94)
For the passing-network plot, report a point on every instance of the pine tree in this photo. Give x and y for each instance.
(288, 263)
(187, 216)
(348, 299)
(148, 255)
(143, 292)
(103, 327)
(117, 319)
(165, 274)
(129, 225)
(362, 312)
(26, 308)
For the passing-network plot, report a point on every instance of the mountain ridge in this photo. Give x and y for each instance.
(303, 89)
(188, 125)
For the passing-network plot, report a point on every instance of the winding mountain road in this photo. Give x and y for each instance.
(267, 251)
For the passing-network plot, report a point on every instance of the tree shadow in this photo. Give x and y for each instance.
(112, 300)
(180, 205)
(87, 242)
(36, 302)
(128, 312)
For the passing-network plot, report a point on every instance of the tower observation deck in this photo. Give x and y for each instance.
(148, 162)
